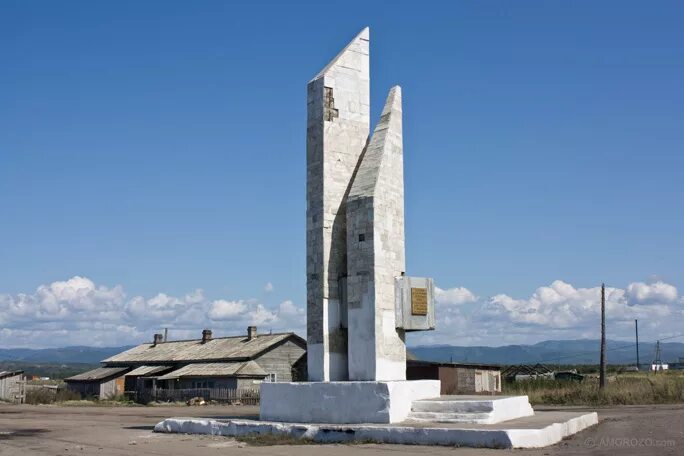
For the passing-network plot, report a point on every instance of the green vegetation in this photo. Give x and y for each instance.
(62, 396)
(49, 396)
(629, 388)
(52, 370)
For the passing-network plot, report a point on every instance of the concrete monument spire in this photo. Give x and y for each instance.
(338, 123)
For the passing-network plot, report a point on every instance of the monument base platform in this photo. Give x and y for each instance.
(542, 429)
(346, 402)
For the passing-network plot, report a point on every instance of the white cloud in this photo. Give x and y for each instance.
(224, 310)
(79, 312)
(455, 296)
(655, 293)
(260, 315)
(288, 308)
(557, 311)
(268, 288)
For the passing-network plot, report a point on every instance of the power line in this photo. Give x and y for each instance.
(671, 337)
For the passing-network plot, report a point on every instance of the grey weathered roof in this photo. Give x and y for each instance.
(237, 348)
(244, 369)
(420, 362)
(4, 374)
(97, 374)
(147, 370)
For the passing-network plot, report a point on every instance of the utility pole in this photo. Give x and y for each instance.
(657, 362)
(636, 329)
(602, 371)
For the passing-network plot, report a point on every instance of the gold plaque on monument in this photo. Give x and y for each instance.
(419, 304)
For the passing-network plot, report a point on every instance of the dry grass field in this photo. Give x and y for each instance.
(632, 388)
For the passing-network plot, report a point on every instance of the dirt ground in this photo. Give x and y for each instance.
(107, 431)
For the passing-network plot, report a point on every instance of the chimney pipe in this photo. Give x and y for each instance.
(166, 334)
(158, 339)
(251, 332)
(206, 336)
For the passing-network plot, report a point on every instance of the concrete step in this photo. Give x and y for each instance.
(470, 409)
(436, 405)
(433, 417)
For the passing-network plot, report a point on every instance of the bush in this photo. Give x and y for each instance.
(49, 395)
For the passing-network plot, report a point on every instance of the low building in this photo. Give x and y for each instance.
(457, 378)
(235, 362)
(12, 386)
(101, 383)
(523, 372)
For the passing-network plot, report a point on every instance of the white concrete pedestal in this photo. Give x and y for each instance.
(343, 402)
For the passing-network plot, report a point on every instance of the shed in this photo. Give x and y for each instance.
(103, 382)
(12, 385)
(457, 378)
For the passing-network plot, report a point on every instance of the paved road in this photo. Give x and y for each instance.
(108, 431)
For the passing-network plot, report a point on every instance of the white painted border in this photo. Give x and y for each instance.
(487, 438)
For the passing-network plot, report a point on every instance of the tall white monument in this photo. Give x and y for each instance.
(355, 225)
(360, 303)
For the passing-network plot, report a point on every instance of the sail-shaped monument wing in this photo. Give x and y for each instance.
(376, 251)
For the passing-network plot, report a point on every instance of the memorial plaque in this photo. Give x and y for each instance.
(419, 305)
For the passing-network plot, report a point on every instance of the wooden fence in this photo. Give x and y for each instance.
(247, 396)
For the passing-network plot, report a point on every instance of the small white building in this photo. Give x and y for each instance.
(659, 367)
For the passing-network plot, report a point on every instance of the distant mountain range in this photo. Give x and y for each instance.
(64, 355)
(550, 352)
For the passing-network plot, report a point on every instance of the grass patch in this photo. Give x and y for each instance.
(625, 389)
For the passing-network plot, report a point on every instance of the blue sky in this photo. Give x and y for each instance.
(159, 147)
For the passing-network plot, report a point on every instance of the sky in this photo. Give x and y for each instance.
(152, 164)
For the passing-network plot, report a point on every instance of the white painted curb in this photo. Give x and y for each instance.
(326, 433)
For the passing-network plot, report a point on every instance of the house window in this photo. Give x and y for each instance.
(272, 378)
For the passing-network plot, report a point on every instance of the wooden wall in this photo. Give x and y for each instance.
(103, 389)
(10, 387)
(281, 360)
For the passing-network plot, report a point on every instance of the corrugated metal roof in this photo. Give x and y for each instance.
(420, 362)
(97, 374)
(147, 370)
(245, 369)
(218, 349)
(4, 374)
